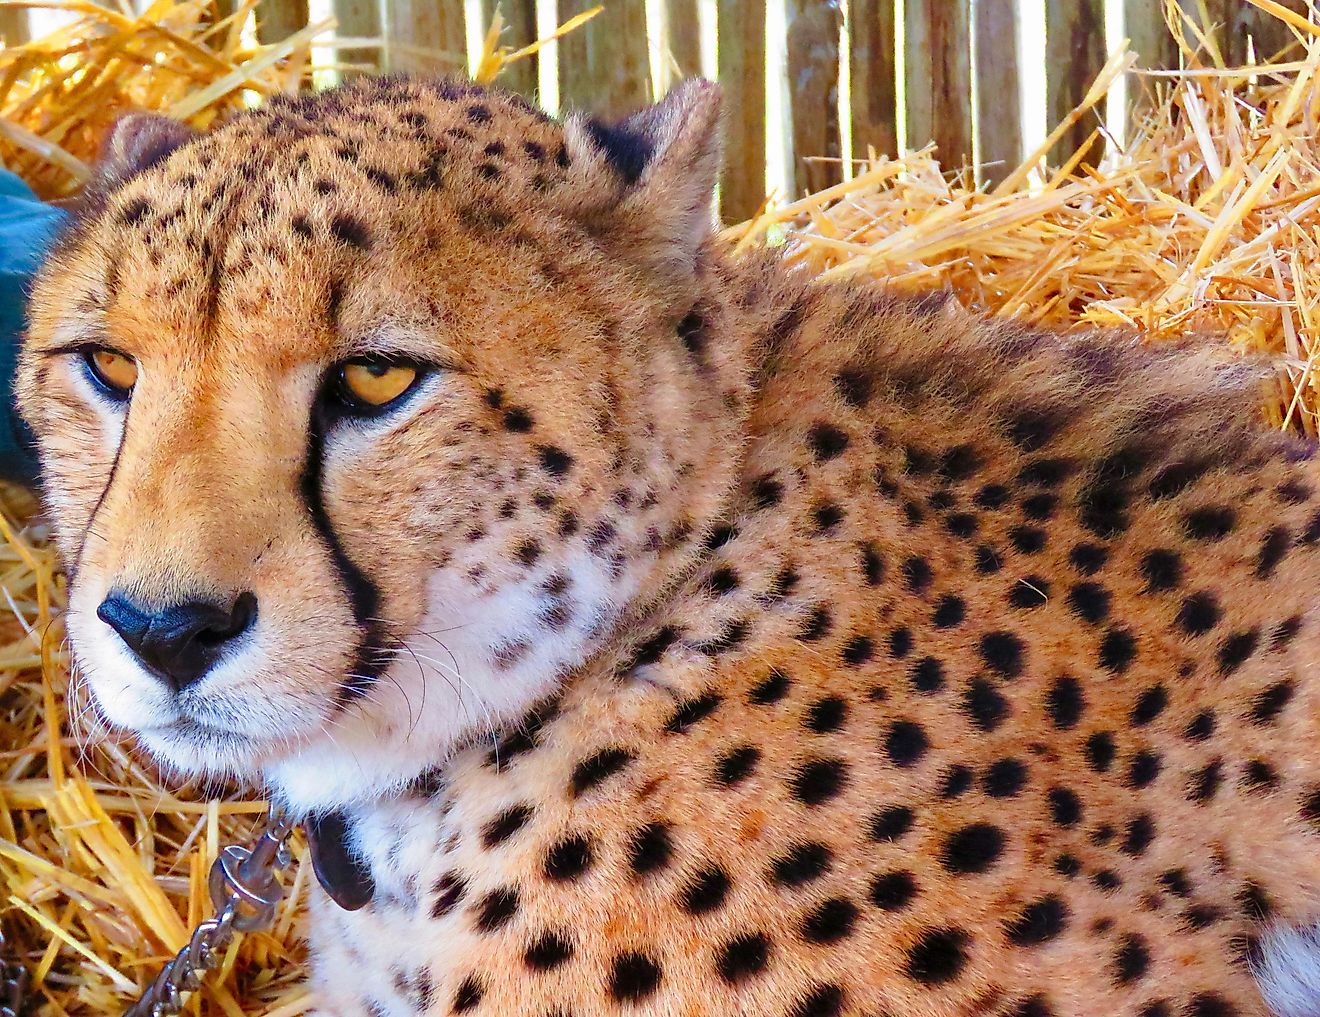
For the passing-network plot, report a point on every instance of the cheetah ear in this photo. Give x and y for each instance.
(137, 142)
(647, 183)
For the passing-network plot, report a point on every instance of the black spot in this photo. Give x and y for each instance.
(1272, 551)
(893, 891)
(449, 890)
(1150, 704)
(827, 516)
(819, 780)
(1107, 880)
(468, 995)
(1202, 916)
(705, 892)
(827, 441)
(772, 689)
(959, 463)
(135, 211)
(1131, 961)
(987, 560)
(984, 705)
(1293, 492)
(900, 643)
(635, 976)
(949, 611)
(693, 711)
(720, 536)
(548, 952)
(736, 765)
(917, 574)
(350, 231)
(974, 848)
(1234, 651)
(891, 823)
(873, 566)
(993, 496)
(1002, 653)
(906, 743)
(1067, 865)
(654, 648)
(742, 957)
(1040, 506)
(957, 781)
(568, 859)
(827, 714)
(1210, 1004)
(1255, 902)
(528, 552)
(1004, 778)
(928, 675)
(505, 825)
(1173, 480)
(302, 227)
(1267, 705)
(554, 460)
(1140, 832)
(1027, 539)
(1259, 774)
(1033, 429)
(1117, 651)
(937, 956)
(517, 419)
(1312, 532)
(830, 921)
(1088, 559)
(855, 386)
(1199, 613)
(597, 768)
(1039, 922)
(859, 650)
(1176, 882)
(1285, 632)
(1202, 726)
(1029, 593)
(961, 524)
(816, 626)
(821, 1001)
(1100, 751)
(478, 114)
(650, 849)
(802, 864)
(496, 909)
(1162, 570)
(1143, 769)
(1065, 806)
(1213, 522)
(1033, 1006)
(767, 492)
(692, 332)
(1090, 602)
(1065, 702)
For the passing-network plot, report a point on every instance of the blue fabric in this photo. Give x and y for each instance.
(27, 227)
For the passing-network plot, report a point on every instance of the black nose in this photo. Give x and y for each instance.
(179, 643)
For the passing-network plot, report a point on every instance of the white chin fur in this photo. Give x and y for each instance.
(1288, 971)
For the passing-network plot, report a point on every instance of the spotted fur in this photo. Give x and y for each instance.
(699, 638)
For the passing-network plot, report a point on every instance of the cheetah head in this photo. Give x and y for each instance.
(363, 418)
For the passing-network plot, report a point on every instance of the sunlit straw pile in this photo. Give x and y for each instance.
(1206, 221)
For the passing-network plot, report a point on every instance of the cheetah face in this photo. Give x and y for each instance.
(336, 408)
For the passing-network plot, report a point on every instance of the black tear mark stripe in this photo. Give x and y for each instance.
(370, 657)
(76, 568)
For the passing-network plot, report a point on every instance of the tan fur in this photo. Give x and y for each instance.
(910, 576)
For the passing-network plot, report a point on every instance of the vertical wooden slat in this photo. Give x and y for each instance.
(519, 31)
(938, 62)
(1269, 34)
(1148, 34)
(872, 82)
(279, 19)
(813, 70)
(15, 28)
(998, 111)
(604, 66)
(358, 19)
(426, 37)
(741, 31)
(1230, 23)
(682, 28)
(1074, 54)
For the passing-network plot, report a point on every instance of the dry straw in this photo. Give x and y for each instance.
(1205, 221)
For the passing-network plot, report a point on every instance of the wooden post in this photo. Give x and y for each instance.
(1269, 35)
(426, 37)
(939, 78)
(1230, 24)
(604, 66)
(813, 70)
(998, 109)
(358, 19)
(872, 77)
(1149, 35)
(519, 31)
(741, 30)
(279, 19)
(15, 28)
(1074, 54)
(683, 36)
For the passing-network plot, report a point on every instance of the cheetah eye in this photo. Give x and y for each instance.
(371, 384)
(114, 373)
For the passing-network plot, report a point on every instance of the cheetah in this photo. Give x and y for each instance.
(645, 630)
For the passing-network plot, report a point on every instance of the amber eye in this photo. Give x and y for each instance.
(114, 372)
(372, 383)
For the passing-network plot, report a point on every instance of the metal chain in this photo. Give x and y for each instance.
(245, 892)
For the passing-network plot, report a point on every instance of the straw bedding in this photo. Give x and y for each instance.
(1206, 220)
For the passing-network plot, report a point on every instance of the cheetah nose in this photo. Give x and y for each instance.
(179, 643)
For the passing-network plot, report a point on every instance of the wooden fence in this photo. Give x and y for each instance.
(958, 75)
